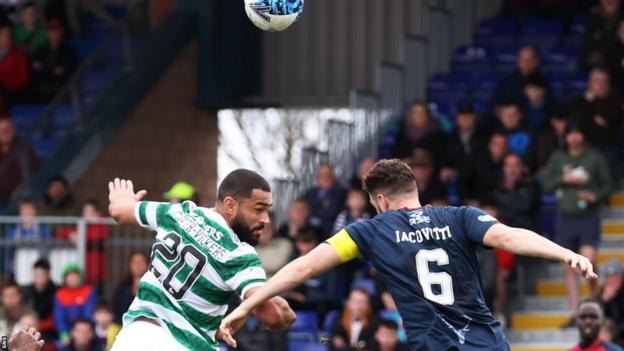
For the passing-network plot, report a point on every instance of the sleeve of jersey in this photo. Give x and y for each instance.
(150, 214)
(243, 273)
(346, 248)
(476, 223)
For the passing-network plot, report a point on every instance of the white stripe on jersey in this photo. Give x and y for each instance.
(164, 314)
(244, 275)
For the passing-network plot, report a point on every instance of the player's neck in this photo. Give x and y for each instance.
(411, 203)
(220, 210)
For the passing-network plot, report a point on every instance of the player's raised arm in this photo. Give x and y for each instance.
(527, 243)
(123, 200)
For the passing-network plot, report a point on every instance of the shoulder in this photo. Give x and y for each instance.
(611, 346)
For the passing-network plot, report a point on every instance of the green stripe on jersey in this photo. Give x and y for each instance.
(243, 285)
(143, 212)
(230, 268)
(211, 293)
(226, 240)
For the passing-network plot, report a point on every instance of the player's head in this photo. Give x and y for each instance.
(244, 198)
(389, 181)
(589, 319)
(11, 296)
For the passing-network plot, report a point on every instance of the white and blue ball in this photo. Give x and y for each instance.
(274, 15)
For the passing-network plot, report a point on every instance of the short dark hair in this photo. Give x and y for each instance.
(28, 201)
(58, 178)
(93, 202)
(84, 321)
(42, 263)
(239, 184)
(590, 300)
(390, 324)
(390, 177)
(103, 305)
(308, 234)
(11, 284)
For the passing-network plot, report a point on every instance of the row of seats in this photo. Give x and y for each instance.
(537, 31)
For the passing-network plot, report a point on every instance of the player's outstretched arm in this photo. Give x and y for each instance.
(122, 200)
(527, 243)
(319, 260)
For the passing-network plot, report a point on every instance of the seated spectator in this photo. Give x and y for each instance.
(40, 296)
(517, 196)
(274, 251)
(28, 320)
(12, 308)
(520, 138)
(53, 64)
(325, 199)
(30, 35)
(430, 190)
(13, 66)
(363, 167)
(22, 161)
(387, 338)
(74, 301)
(486, 171)
(180, 192)
(537, 105)
(418, 130)
(552, 138)
(589, 320)
(511, 88)
(106, 329)
(253, 336)
(58, 200)
(599, 114)
(612, 295)
(29, 230)
(82, 337)
(355, 328)
(357, 200)
(600, 33)
(126, 290)
(298, 217)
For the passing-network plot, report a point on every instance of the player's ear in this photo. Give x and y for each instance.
(231, 206)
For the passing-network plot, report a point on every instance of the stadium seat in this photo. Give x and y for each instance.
(558, 83)
(442, 108)
(305, 346)
(506, 58)
(365, 284)
(577, 27)
(561, 59)
(307, 322)
(496, 31)
(330, 317)
(485, 85)
(25, 116)
(44, 147)
(449, 87)
(577, 83)
(541, 32)
(473, 59)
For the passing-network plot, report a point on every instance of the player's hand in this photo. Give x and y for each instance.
(581, 265)
(123, 190)
(26, 340)
(231, 324)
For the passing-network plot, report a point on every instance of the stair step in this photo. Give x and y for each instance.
(612, 228)
(538, 320)
(617, 199)
(550, 336)
(556, 288)
(607, 254)
(541, 347)
(612, 213)
(537, 303)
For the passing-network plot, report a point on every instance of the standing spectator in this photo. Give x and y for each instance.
(40, 296)
(599, 114)
(486, 171)
(180, 192)
(21, 158)
(29, 230)
(12, 309)
(589, 321)
(298, 217)
(355, 328)
(537, 105)
(387, 338)
(580, 177)
(274, 251)
(357, 199)
(430, 190)
(600, 33)
(73, 302)
(612, 295)
(30, 35)
(520, 138)
(106, 329)
(608, 332)
(511, 88)
(418, 130)
(126, 290)
(13, 65)
(82, 337)
(58, 200)
(517, 196)
(53, 64)
(325, 200)
(551, 138)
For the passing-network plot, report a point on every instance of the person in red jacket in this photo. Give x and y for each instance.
(13, 65)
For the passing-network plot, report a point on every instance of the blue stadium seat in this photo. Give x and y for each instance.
(506, 58)
(299, 345)
(577, 27)
(365, 284)
(578, 83)
(44, 147)
(541, 32)
(558, 83)
(307, 322)
(495, 31)
(485, 85)
(449, 87)
(330, 317)
(442, 108)
(64, 116)
(561, 59)
(25, 116)
(474, 59)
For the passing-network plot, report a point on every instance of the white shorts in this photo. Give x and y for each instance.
(145, 336)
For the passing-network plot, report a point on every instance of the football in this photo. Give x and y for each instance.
(274, 15)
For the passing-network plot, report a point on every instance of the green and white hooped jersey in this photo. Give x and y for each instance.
(197, 265)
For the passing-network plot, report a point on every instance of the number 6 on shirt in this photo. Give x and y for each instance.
(427, 279)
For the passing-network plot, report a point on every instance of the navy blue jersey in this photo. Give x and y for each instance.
(426, 258)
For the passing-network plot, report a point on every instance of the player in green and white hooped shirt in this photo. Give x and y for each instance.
(201, 258)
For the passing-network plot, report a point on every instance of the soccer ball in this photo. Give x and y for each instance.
(274, 15)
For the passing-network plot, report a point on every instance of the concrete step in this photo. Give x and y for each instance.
(612, 227)
(607, 254)
(541, 347)
(550, 336)
(612, 213)
(612, 242)
(538, 320)
(556, 288)
(617, 199)
(537, 303)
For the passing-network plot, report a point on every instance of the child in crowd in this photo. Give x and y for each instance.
(105, 328)
(74, 301)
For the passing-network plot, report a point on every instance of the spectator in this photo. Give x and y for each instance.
(20, 157)
(600, 33)
(608, 332)
(53, 64)
(253, 336)
(126, 290)
(418, 130)
(551, 138)
(83, 337)
(612, 295)
(430, 191)
(517, 196)
(580, 177)
(12, 309)
(364, 166)
(357, 199)
(599, 114)
(511, 88)
(520, 138)
(355, 329)
(589, 321)
(29, 230)
(615, 60)
(74, 301)
(387, 338)
(13, 65)
(298, 217)
(486, 171)
(40, 296)
(274, 251)
(537, 105)
(58, 200)
(106, 329)
(30, 35)
(325, 200)
(180, 192)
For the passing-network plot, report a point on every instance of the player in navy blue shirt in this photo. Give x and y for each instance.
(425, 256)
